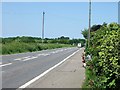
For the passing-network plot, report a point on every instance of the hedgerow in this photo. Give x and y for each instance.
(105, 64)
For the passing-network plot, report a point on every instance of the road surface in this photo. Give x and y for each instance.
(70, 74)
(18, 69)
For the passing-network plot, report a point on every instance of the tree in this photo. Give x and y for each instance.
(95, 28)
(62, 37)
(85, 33)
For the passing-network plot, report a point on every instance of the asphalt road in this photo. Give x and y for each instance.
(18, 69)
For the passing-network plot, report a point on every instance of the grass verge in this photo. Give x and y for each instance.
(20, 47)
(89, 79)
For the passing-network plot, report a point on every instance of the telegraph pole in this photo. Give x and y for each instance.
(43, 28)
(89, 23)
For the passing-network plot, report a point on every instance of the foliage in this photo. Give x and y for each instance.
(30, 44)
(92, 29)
(19, 47)
(104, 47)
(85, 33)
(59, 40)
(95, 27)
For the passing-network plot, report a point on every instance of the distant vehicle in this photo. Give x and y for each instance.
(79, 45)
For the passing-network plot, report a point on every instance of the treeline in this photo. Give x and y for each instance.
(59, 40)
(103, 70)
(29, 44)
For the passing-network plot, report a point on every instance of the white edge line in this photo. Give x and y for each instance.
(5, 64)
(44, 73)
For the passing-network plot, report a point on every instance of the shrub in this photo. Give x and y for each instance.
(104, 48)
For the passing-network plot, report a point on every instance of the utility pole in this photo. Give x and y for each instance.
(43, 28)
(89, 23)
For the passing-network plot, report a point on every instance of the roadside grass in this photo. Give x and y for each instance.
(88, 75)
(20, 47)
(89, 79)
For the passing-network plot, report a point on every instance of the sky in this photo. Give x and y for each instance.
(119, 12)
(61, 18)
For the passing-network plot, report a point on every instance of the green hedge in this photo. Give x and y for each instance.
(104, 48)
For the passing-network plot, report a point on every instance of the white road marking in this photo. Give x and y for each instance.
(18, 59)
(30, 58)
(5, 64)
(41, 54)
(57, 51)
(53, 52)
(44, 73)
(21, 58)
(34, 57)
(46, 54)
(27, 57)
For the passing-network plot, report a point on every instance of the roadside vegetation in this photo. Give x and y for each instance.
(30, 44)
(103, 70)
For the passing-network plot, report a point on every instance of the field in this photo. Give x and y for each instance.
(18, 47)
(31, 44)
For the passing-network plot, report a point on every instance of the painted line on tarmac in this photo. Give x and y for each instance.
(44, 73)
(30, 58)
(5, 64)
(47, 54)
(17, 59)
